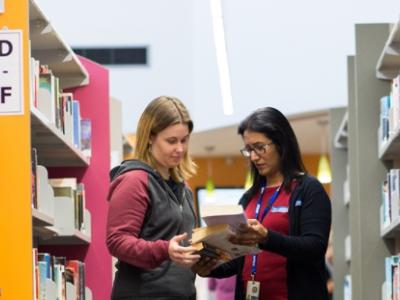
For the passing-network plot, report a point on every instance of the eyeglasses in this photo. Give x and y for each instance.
(259, 149)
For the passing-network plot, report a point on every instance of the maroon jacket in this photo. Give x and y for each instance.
(144, 214)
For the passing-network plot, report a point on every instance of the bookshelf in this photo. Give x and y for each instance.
(48, 47)
(55, 150)
(59, 157)
(340, 218)
(387, 72)
(388, 65)
(95, 105)
(368, 248)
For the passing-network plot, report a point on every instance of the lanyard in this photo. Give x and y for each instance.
(256, 215)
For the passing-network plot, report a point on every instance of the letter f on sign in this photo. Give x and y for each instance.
(4, 92)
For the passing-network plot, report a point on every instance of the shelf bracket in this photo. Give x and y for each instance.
(39, 26)
(52, 56)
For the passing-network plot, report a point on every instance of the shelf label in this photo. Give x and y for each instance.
(11, 73)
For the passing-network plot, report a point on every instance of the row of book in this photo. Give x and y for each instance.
(54, 274)
(46, 190)
(390, 112)
(391, 285)
(347, 295)
(390, 198)
(60, 108)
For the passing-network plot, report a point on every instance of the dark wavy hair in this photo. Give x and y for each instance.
(276, 127)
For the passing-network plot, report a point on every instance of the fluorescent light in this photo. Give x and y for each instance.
(222, 57)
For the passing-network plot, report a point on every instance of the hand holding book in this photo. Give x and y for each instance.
(205, 265)
(220, 239)
(184, 256)
(249, 234)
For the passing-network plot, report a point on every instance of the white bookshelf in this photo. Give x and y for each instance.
(54, 149)
(390, 149)
(387, 68)
(340, 138)
(75, 238)
(340, 202)
(388, 65)
(366, 171)
(392, 230)
(64, 225)
(41, 219)
(48, 47)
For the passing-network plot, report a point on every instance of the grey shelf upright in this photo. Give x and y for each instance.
(368, 249)
(340, 216)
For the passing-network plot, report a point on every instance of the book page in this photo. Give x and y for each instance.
(223, 214)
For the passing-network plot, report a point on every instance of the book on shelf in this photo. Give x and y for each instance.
(394, 194)
(76, 119)
(80, 204)
(86, 137)
(385, 204)
(34, 81)
(34, 180)
(395, 97)
(57, 271)
(347, 294)
(66, 115)
(222, 222)
(35, 274)
(59, 263)
(47, 94)
(384, 119)
(76, 268)
(69, 187)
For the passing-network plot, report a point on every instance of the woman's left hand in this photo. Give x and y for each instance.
(250, 234)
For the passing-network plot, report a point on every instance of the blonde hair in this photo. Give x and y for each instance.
(159, 114)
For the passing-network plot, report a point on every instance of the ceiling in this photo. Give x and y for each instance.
(290, 55)
(312, 137)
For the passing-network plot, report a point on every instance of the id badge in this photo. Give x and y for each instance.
(253, 290)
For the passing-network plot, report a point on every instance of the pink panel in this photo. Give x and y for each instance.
(94, 104)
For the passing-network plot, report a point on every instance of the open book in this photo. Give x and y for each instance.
(222, 222)
(232, 215)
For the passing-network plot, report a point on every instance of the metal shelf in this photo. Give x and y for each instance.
(54, 150)
(48, 47)
(388, 65)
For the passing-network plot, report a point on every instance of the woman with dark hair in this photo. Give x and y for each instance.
(289, 218)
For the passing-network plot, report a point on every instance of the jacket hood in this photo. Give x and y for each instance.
(129, 165)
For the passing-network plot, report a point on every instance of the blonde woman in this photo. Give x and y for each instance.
(151, 213)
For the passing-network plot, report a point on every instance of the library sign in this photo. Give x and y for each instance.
(11, 70)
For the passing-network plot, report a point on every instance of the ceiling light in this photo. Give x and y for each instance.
(222, 56)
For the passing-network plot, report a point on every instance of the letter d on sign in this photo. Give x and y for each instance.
(11, 71)
(6, 48)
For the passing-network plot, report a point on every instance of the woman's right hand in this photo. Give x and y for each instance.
(204, 266)
(183, 256)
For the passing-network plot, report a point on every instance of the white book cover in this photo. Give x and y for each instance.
(46, 97)
(214, 214)
(394, 194)
(395, 102)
